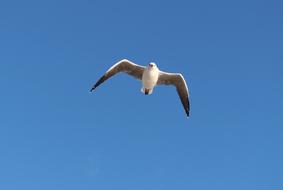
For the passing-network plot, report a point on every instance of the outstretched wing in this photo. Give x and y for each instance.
(125, 66)
(179, 82)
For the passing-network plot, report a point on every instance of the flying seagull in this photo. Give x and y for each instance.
(150, 77)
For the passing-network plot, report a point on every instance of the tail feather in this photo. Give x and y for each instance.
(146, 91)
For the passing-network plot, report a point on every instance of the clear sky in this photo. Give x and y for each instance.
(54, 134)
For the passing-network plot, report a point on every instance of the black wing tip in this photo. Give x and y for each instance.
(101, 80)
(92, 89)
(188, 114)
(187, 111)
(188, 108)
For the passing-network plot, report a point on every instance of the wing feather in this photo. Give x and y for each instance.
(179, 82)
(125, 66)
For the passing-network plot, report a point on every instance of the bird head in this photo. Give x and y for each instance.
(152, 65)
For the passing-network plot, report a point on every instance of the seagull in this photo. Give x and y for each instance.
(150, 77)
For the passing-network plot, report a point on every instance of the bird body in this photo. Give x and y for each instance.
(150, 76)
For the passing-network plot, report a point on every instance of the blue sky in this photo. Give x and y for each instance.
(54, 134)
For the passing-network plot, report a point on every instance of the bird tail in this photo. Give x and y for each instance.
(146, 91)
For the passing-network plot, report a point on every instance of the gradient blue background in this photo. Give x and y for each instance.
(54, 134)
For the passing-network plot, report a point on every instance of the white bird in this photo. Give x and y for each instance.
(150, 77)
